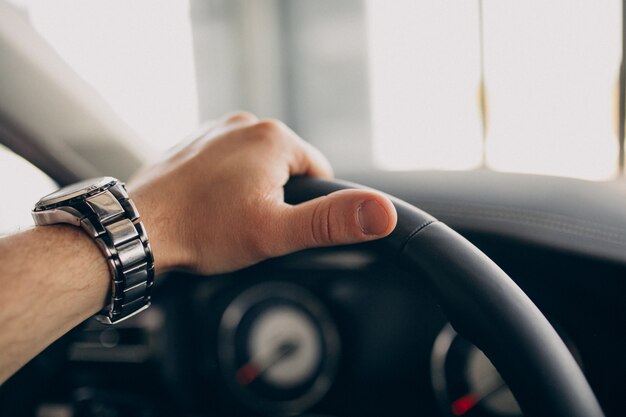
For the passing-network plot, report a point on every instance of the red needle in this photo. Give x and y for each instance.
(247, 373)
(464, 404)
(250, 371)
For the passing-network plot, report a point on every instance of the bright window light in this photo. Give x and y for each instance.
(424, 78)
(15, 209)
(551, 70)
(137, 54)
(551, 78)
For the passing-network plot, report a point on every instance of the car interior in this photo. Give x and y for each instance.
(497, 127)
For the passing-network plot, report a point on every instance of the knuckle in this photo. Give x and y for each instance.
(241, 116)
(269, 130)
(322, 224)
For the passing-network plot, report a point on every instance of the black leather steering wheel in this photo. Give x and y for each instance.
(484, 305)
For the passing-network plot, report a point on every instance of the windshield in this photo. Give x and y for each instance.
(510, 86)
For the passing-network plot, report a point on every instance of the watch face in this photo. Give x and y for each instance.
(75, 190)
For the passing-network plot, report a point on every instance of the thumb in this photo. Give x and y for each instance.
(343, 217)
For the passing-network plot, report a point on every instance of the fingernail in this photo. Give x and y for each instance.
(373, 218)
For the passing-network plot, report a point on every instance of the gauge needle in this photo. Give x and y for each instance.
(465, 403)
(250, 371)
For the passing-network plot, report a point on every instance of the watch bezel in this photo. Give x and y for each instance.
(94, 186)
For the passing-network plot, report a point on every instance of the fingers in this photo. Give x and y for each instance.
(211, 128)
(240, 117)
(308, 160)
(343, 217)
(277, 139)
(232, 121)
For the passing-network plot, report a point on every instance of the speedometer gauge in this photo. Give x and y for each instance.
(278, 348)
(465, 381)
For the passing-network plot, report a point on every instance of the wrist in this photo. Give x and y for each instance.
(103, 209)
(162, 229)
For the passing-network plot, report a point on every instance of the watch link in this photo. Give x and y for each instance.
(102, 208)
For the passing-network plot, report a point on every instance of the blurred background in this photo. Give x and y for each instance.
(530, 87)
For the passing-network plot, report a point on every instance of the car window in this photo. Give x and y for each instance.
(22, 185)
(510, 86)
(513, 86)
(137, 55)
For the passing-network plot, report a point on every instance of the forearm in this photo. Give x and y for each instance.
(52, 279)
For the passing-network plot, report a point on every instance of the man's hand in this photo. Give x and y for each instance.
(216, 204)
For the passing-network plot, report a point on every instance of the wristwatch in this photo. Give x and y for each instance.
(102, 208)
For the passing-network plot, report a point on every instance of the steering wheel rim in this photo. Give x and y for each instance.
(484, 305)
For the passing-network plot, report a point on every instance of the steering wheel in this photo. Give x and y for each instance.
(484, 305)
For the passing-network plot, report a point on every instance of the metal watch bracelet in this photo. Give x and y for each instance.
(110, 217)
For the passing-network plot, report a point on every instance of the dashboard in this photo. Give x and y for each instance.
(338, 332)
